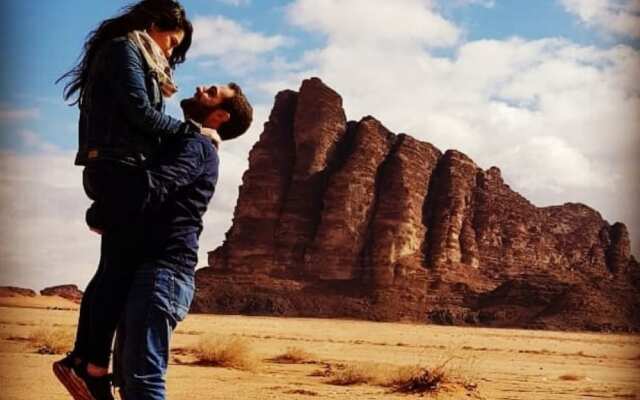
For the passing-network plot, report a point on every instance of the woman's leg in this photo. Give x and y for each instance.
(110, 294)
(73, 370)
(82, 331)
(81, 346)
(113, 187)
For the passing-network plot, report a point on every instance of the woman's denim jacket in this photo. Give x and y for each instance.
(122, 111)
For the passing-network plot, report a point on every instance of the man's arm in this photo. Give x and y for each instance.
(131, 94)
(184, 166)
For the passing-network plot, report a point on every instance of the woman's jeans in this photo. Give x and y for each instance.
(158, 299)
(104, 298)
(102, 304)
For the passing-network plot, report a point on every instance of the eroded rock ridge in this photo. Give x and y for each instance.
(339, 218)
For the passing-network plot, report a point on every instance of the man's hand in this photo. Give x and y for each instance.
(213, 135)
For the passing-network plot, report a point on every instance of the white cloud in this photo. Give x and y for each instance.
(380, 22)
(34, 143)
(554, 156)
(9, 113)
(224, 42)
(43, 240)
(620, 17)
(560, 119)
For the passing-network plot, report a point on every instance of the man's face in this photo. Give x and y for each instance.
(204, 105)
(212, 96)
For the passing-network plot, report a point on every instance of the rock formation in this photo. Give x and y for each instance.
(12, 291)
(338, 218)
(69, 292)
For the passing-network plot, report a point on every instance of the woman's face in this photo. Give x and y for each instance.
(167, 40)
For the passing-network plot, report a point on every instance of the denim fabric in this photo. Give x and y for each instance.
(112, 185)
(122, 110)
(118, 191)
(159, 298)
(105, 296)
(181, 182)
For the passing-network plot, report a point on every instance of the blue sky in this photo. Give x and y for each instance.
(547, 90)
(40, 56)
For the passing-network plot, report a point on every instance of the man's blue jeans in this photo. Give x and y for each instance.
(158, 299)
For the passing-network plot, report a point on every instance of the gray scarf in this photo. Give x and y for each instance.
(156, 61)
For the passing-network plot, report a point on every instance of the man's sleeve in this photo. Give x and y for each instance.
(131, 94)
(180, 170)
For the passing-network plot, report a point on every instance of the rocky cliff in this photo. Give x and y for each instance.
(338, 218)
(69, 292)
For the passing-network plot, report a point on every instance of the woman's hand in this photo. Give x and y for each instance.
(212, 134)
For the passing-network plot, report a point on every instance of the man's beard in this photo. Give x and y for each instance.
(194, 110)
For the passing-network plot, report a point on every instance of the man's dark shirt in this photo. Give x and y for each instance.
(181, 182)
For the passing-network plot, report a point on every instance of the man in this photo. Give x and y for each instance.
(170, 196)
(181, 183)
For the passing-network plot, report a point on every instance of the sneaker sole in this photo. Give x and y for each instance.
(74, 385)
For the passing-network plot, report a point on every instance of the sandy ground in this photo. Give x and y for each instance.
(504, 364)
(47, 302)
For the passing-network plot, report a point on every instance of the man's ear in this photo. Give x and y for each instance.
(224, 115)
(216, 118)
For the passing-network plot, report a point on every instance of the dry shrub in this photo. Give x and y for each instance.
(295, 355)
(405, 379)
(52, 341)
(571, 377)
(417, 379)
(231, 352)
(326, 371)
(355, 374)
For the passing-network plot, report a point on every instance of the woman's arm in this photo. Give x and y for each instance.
(131, 94)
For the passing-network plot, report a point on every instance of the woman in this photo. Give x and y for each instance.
(121, 79)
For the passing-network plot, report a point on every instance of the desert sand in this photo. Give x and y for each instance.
(481, 363)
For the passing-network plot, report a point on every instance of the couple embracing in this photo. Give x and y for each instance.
(150, 177)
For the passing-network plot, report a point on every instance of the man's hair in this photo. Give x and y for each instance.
(241, 114)
(237, 106)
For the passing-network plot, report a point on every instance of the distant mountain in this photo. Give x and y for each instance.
(339, 218)
(11, 291)
(69, 292)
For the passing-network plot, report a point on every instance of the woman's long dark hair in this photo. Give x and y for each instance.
(166, 15)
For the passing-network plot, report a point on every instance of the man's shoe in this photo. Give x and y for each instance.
(79, 384)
